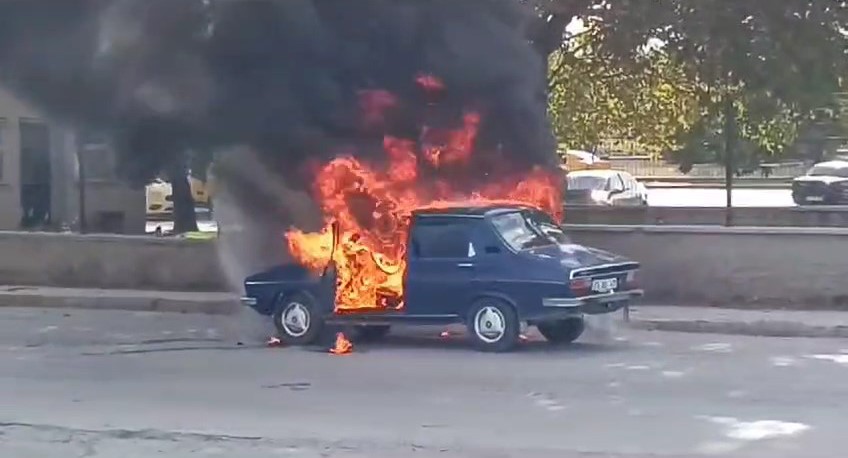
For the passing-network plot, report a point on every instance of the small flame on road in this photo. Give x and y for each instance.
(342, 346)
(274, 342)
(444, 334)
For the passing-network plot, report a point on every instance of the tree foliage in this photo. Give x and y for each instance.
(593, 98)
(775, 61)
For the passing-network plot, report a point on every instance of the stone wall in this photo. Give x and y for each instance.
(791, 267)
(742, 216)
(108, 261)
(686, 265)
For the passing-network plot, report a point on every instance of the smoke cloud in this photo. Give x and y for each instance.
(282, 77)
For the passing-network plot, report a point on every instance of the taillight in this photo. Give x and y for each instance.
(631, 279)
(581, 285)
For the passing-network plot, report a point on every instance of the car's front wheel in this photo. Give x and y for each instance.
(298, 320)
(562, 331)
(493, 325)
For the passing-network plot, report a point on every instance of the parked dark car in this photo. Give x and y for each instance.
(491, 268)
(825, 183)
(604, 187)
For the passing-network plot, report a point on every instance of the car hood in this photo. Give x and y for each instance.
(573, 255)
(828, 179)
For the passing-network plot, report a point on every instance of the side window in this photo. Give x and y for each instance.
(443, 239)
(617, 183)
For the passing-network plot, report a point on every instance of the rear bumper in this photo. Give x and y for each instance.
(592, 305)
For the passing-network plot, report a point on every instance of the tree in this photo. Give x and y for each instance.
(594, 98)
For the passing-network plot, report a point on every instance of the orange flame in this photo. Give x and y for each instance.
(342, 346)
(372, 205)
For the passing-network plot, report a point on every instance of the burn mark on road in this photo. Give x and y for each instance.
(292, 386)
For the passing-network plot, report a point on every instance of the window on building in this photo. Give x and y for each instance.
(99, 162)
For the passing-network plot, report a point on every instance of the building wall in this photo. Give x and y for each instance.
(104, 191)
(11, 111)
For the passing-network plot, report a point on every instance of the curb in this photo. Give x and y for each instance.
(762, 328)
(219, 304)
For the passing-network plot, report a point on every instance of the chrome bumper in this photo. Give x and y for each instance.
(586, 303)
(248, 301)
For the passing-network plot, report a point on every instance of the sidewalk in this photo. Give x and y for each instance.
(105, 299)
(774, 323)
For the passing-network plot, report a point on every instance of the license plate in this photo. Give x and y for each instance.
(604, 285)
(815, 199)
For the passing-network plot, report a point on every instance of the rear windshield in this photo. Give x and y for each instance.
(825, 170)
(586, 182)
(528, 229)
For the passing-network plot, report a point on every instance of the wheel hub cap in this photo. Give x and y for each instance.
(489, 324)
(295, 319)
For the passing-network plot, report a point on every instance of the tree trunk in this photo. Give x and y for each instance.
(185, 219)
(729, 163)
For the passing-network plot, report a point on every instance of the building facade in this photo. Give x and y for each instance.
(39, 177)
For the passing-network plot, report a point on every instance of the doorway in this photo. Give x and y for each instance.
(35, 174)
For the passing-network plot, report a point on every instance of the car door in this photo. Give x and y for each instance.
(618, 192)
(440, 266)
(632, 192)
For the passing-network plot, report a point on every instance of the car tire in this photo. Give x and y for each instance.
(370, 333)
(298, 319)
(493, 325)
(562, 331)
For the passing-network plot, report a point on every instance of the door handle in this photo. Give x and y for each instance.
(465, 265)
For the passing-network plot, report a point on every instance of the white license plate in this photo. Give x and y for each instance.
(604, 285)
(815, 199)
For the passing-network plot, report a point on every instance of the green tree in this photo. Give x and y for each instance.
(594, 98)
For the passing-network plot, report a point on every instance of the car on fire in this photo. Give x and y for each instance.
(492, 268)
(825, 183)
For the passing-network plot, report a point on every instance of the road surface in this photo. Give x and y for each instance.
(108, 384)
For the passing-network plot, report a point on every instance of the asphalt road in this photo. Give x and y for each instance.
(123, 384)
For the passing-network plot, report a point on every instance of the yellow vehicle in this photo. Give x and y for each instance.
(160, 201)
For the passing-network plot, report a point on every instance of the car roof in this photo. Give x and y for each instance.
(475, 211)
(837, 164)
(595, 173)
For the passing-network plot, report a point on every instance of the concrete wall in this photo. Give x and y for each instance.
(742, 216)
(108, 261)
(797, 267)
(801, 268)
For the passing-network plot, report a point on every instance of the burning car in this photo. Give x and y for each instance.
(491, 267)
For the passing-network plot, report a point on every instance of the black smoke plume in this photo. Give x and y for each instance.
(276, 84)
(282, 77)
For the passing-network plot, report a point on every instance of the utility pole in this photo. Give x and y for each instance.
(83, 224)
(729, 146)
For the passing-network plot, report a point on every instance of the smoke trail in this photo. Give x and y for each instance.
(282, 77)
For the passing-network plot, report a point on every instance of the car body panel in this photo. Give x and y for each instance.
(824, 183)
(537, 281)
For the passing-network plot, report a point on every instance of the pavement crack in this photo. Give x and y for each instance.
(164, 350)
(142, 434)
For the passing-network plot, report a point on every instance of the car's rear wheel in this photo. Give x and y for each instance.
(493, 325)
(370, 333)
(562, 331)
(298, 320)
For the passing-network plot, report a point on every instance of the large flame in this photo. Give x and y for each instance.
(372, 204)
